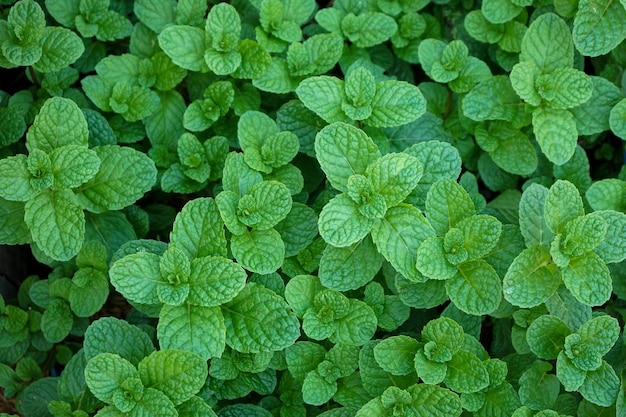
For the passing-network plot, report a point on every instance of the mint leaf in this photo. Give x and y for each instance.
(351, 267)
(198, 229)
(563, 204)
(116, 336)
(341, 223)
(368, 29)
(447, 203)
(396, 103)
(124, 176)
(532, 278)
(476, 288)
(13, 228)
(556, 133)
(137, 276)
(177, 374)
(466, 373)
(546, 336)
(258, 320)
(15, 179)
(264, 205)
(324, 95)
(214, 281)
(531, 216)
(601, 386)
(59, 122)
(106, 374)
(57, 223)
(184, 45)
(60, 47)
(548, 44)
(598, 28)
(72, 166)
(197, 329)
(156, 17)
(260, 251)
(588, 278)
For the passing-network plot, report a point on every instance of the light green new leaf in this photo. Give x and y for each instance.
(466, 373)
(432, 262)
(72, 166)
(562, 204)
(124, 176)
(300, 292)
(176, 373)
(214, 280)
(396, 353)
(564, 88)
(185, 45)
(570, 376)
(341, 223)
(89, 292)
(343, 150)
(523, 78)
(258, 320)
(548, 44)
(137, 276)
(396, 103)
(154, 402)
(583, 234)
(260, 251)
(556, 133)
(27, 21)
(303, 357)
(196, 329)
(481, 233)
(198, 229)
(601, 386)
(59, 122)
(447, 203)
(531, 278)
(398, 236)
(394, 176)
(546, 336)
(56, 222)
(445, 333)
(601, 332)
(112, 335)
(317, 390)
(16, 179)
(264, 205)
(105, 375)
(60, 47)
(589, 279)
(599, 26)
(324, 95)
(351, 267)
(476, 289)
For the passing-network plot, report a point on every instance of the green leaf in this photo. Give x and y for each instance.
(57, 223)
(258, 320)
(447, 203)
(565, 88)
(562, 204)
(111, 335)
(300, 292)
(351, 267)
(260, 251)
(617, 119)
(105, 374)
(155, 16)
(546, 336)
(198, 229)
(398, 236)
(599, 27)
(523, 79)
(59, 122)
(500, 11)
(176, 373)
(532, 278)
(357, 326)
(73, 165)
(298, 229)
(531, 216)
(264, 205)
(431, 260)
(89, 292)
(317, 390)
(589, 279)
(16, 179)
(57, 321)
(166, 122)
(481, 233)
(556, 133)
(341, 223)
(13, 228)
(396, 103)
(395, 354)
(394, 176)
(214, 281)
(324, 95)
(607, 194)
(601, 386)
(185, 46)
(368, 29)
(196, 329)
(154, 402)
(195, 407)
(60, 47)
(124, 176)
(548, 44)
(493, 99)
(538, 389)
(476, 288)
(466, 373)
(583, 234)
(137, 276)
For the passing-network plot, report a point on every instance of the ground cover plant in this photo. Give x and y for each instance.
(290, 208)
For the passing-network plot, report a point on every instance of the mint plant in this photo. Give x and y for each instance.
(300, 208)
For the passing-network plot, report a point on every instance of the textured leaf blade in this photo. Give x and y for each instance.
(260, 251)
(589, 279)
(341, 223)
(548, 43)
(447, 203)
(396, 103)
(531, 280)
(60, 122)
(556, 133)
(351, 267)
(199, 230)
(258, 320)
(137, 276)
(117, 336)
(599, 26)
(476, 288)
